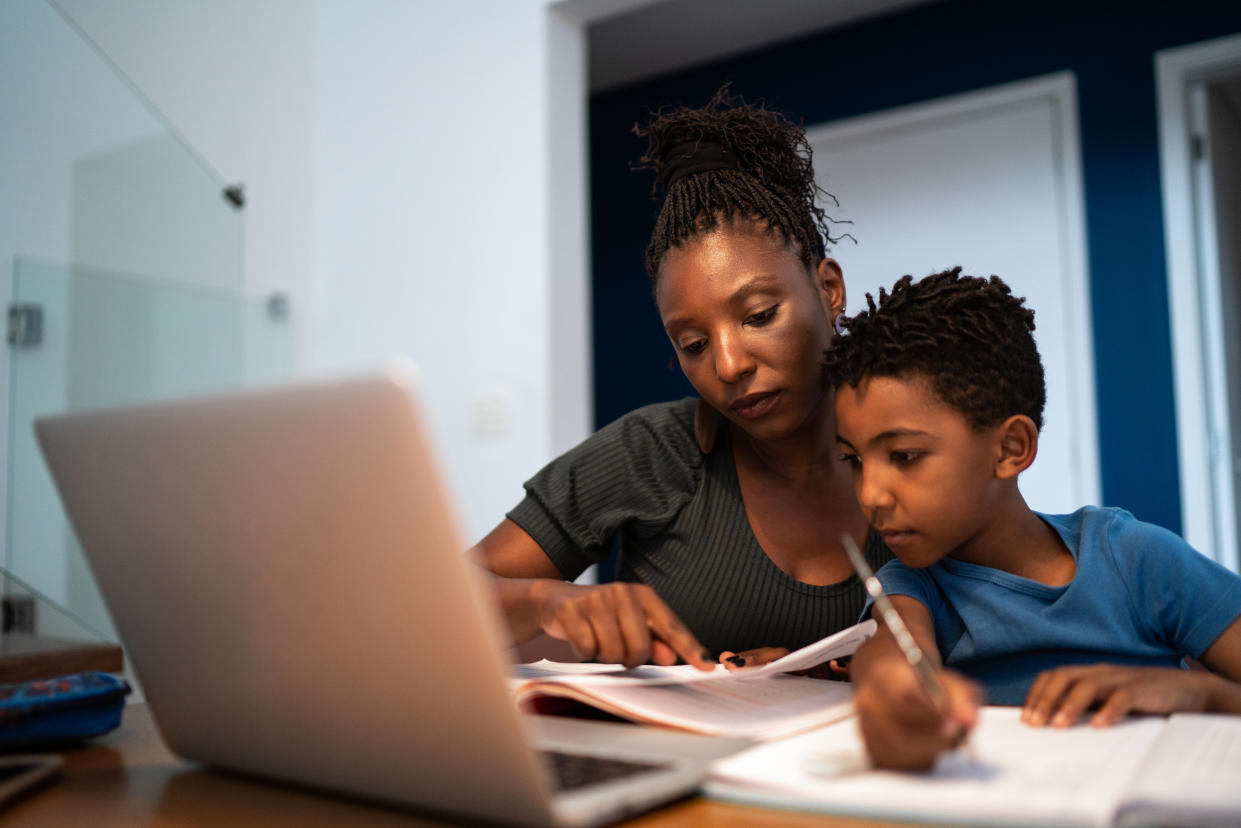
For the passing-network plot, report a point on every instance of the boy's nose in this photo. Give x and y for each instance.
(872, 494)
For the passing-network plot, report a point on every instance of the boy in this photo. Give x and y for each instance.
(939, 401)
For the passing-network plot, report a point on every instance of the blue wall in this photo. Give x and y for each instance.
(929, 52)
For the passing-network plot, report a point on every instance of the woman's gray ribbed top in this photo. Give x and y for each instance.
(683, 530)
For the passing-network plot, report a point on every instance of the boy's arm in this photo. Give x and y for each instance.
(901, 726)
(1058, 697)
(1223, 658)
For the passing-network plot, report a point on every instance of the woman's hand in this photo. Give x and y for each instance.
(1059, 697)
(751, 658)
(836, 669)
(616, 623)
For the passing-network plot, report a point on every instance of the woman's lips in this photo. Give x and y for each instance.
(753, 406)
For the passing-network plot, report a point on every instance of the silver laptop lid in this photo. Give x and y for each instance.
(287, 578)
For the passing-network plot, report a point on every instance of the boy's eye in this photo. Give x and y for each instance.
(904, 458)
(763, 316)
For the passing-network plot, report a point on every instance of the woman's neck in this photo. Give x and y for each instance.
(802, 458)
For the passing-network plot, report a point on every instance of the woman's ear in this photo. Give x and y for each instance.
(1017, 446)
(830, 281)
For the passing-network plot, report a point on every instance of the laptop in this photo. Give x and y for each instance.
(288, 579)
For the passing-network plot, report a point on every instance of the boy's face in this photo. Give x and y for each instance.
(923, 476)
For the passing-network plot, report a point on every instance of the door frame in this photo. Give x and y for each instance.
(1200, 381)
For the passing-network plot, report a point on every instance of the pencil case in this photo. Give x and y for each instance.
(56, 711)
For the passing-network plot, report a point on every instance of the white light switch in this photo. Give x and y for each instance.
(490, 411)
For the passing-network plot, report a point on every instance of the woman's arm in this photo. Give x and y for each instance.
(617, 622)
(507, 551)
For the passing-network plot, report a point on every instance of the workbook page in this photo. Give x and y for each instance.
(838, 645)
(1193, 773)
(767, 708)
(1008, 774)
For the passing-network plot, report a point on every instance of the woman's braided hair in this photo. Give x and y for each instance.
(771, 185)
(970, 338)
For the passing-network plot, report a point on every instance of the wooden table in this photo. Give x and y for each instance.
(24, 657)
(129, 778)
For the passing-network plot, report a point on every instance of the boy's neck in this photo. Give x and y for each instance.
(1018, 541)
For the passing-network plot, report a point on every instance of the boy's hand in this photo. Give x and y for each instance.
(1059, 697)
(902, 729)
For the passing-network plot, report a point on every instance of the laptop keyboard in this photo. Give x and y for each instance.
(575, 770)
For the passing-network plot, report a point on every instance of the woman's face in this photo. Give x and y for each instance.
(749, 325)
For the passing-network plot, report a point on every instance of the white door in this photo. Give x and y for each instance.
(990, 181)
(1215, 116)
(1200, 161)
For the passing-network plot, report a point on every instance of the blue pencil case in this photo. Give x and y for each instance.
(57, 711)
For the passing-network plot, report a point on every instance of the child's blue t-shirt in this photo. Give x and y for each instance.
(1140, 595)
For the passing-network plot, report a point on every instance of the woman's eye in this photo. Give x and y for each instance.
(695, 347)
(853, 460)
(763, 316)
(904, 458)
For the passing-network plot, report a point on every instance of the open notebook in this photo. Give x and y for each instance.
(1183, 770)
(755, 702)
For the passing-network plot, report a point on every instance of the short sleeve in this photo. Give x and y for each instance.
(635, 474)
(1186, 598)
(899, 579)
(923, 587)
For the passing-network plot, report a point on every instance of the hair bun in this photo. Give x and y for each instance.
(691, 157)
(745, 162)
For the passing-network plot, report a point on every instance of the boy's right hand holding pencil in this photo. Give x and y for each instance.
(903, 728)
(909, 709)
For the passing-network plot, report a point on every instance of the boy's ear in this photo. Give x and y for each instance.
(1017, 446)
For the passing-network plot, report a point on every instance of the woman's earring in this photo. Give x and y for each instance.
(706, 423)
(838, 324)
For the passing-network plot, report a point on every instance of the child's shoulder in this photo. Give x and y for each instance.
(1115, 532)
(1106, 521)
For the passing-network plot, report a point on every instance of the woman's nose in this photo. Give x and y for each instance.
(732, 359)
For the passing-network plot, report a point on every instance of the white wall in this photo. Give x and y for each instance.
(433, 232)
(397, 159)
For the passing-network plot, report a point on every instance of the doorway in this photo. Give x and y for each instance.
(1200, 161)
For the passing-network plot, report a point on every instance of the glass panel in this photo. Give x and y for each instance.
(92, 173)
(95, 176)
(105, 338)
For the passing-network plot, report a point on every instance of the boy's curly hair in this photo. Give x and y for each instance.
(772, 183)
(969, 337)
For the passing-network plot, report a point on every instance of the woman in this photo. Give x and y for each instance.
(729, 508)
